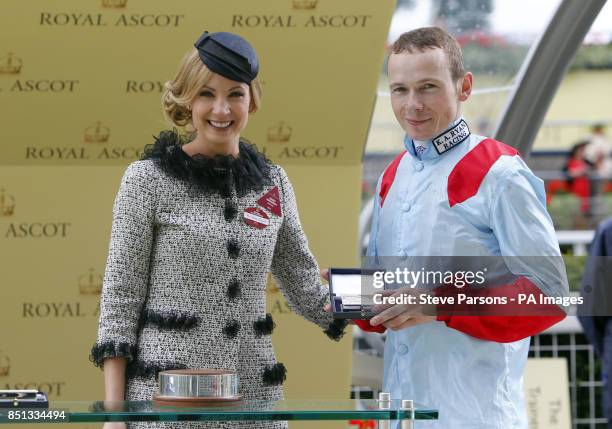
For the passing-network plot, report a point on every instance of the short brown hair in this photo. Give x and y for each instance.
(430, 38)
(180, 92)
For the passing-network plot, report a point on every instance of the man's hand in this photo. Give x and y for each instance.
(400, 316)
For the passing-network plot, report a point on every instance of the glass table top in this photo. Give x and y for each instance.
(98, 411)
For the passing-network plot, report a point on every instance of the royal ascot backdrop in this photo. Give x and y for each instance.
(80, 85)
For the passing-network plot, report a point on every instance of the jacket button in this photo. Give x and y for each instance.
(233, 290)
(407, 207)
(233, 249)
(419, 166)
(231, 329)
(402, 349)
(230, 211)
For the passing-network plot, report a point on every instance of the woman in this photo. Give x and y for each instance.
(196, 229)
(578, 169)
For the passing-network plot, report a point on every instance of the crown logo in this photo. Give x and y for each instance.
(97, 133)
(114, 4)
(10, 64)
(90, 283)
(7, 204)
(5, 365)
(305, 4)
(279, 133)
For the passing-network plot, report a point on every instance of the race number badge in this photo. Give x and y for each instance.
(256, 217)
(271, 201)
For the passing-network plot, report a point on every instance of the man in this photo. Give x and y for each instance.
(452, 193)
(599, 151)
(595, 314)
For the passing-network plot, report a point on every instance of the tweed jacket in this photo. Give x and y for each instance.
(192, 243)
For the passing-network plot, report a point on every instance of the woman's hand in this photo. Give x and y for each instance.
(325, 274)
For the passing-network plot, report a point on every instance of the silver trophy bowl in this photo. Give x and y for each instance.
(195, 386)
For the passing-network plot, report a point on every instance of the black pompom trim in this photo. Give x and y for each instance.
(233, 249)
(230, 211)
(170, 320)
(99, 352)
(140, 369)
(231, 329)
(274, 375)
(264, 326)
(250, 171)
(233, 290)
(335, 331)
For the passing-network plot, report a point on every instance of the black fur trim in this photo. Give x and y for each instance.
(99, 352)
(230, 211)
(170, 320)
(140, 369)
(274, 375)
(231, 329)
(233, 249)
(264, 326)
(335, 330)
(250, 171)
(233, 290)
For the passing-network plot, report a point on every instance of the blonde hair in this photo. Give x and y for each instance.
(180, 92)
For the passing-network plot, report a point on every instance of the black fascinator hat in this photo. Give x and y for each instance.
(229, 55)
